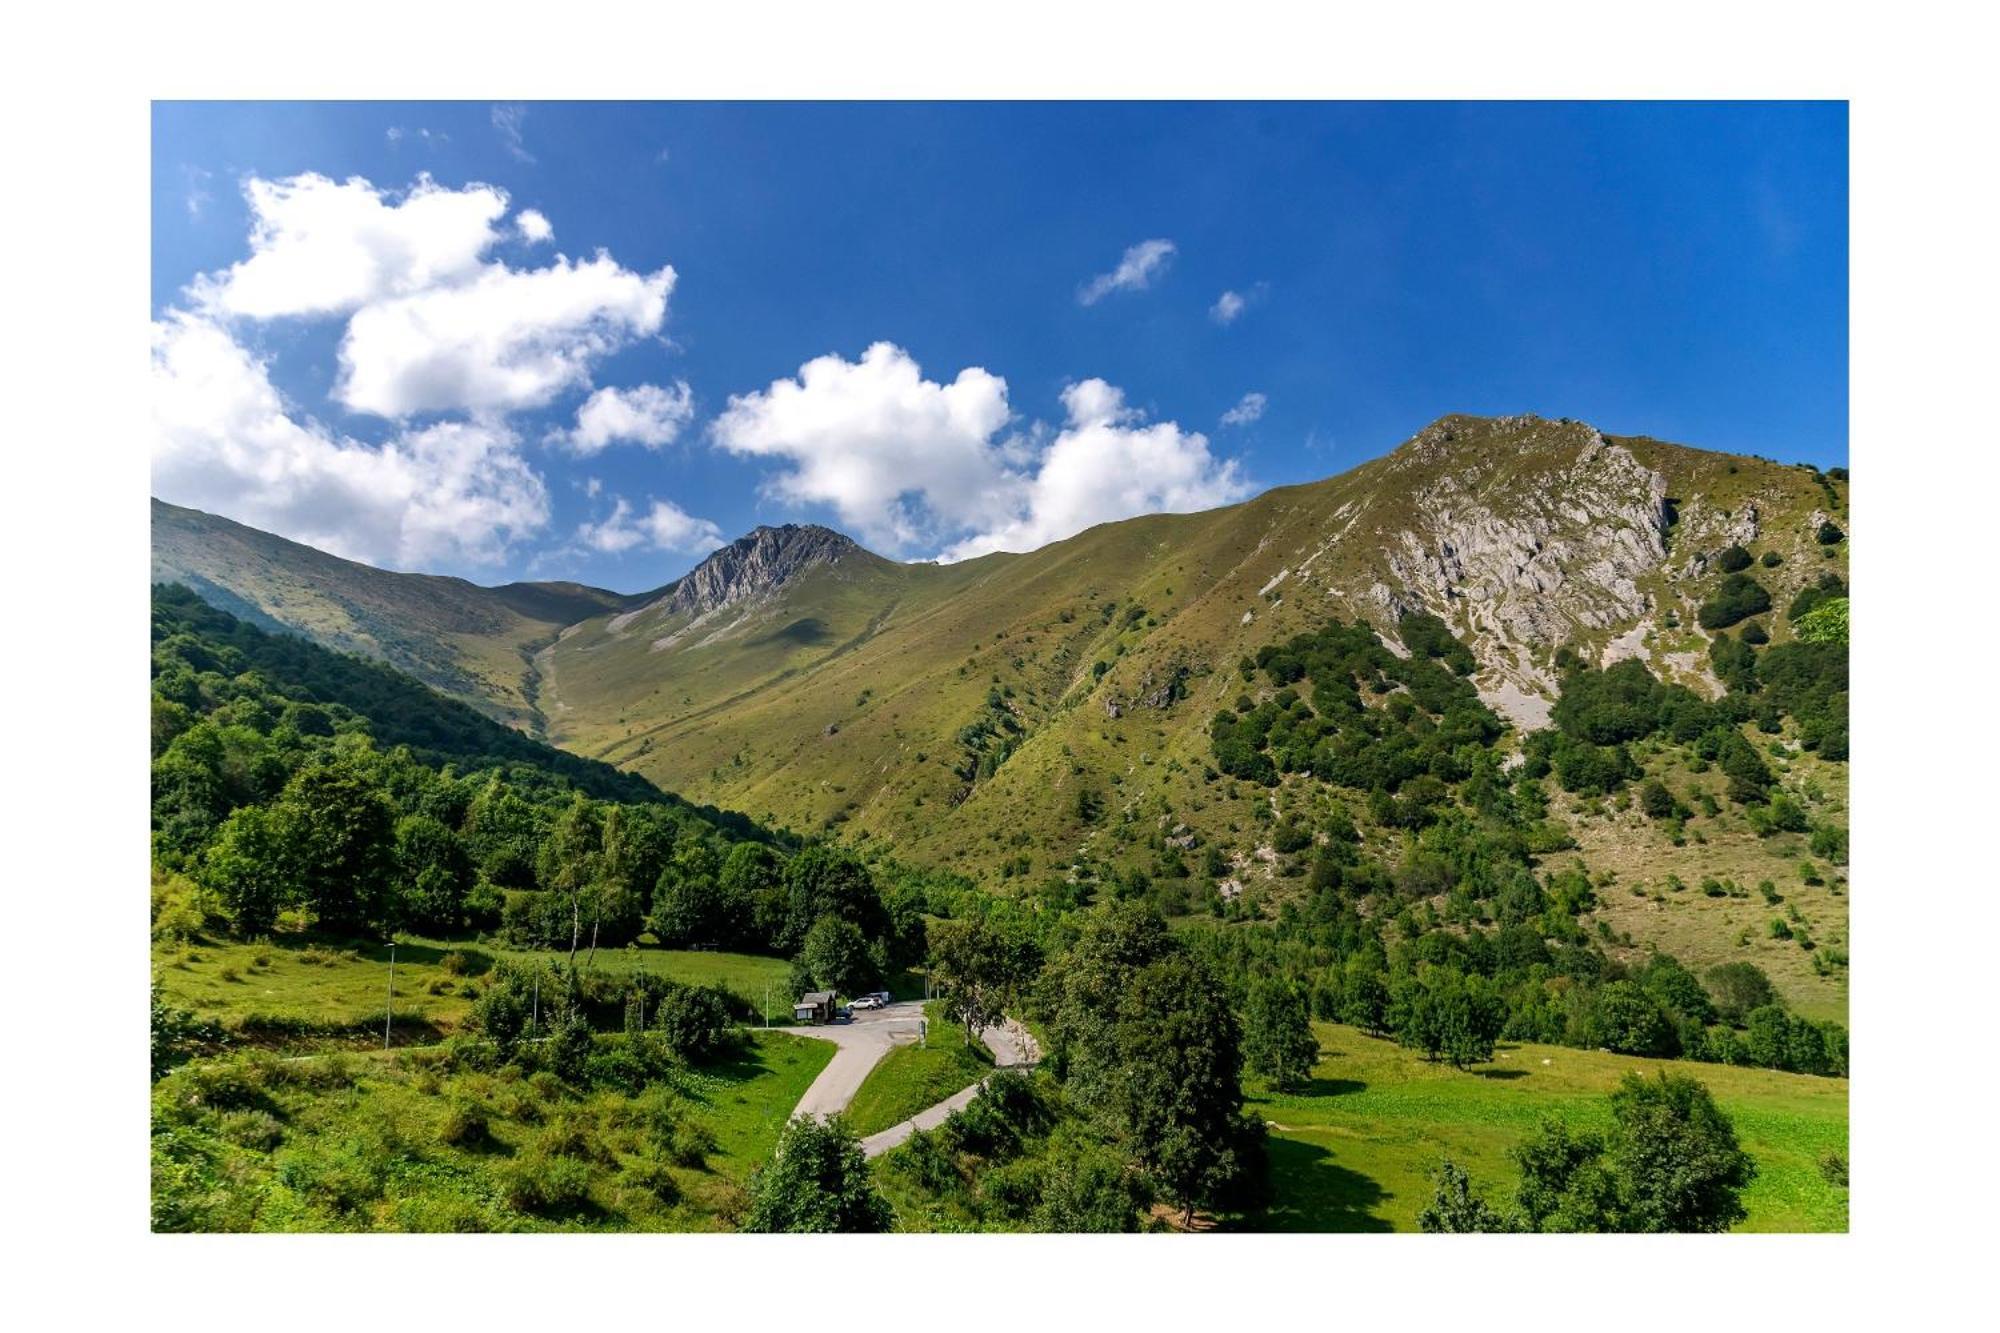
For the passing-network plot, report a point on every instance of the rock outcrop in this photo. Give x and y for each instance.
(759, 562)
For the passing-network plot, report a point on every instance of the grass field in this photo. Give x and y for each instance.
(380, 1142)
(1355, 1150)
(911, 1078)
(293, 986)
(1702, 929)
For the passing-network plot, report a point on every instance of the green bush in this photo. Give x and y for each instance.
(546, 1185)
(1736, 598)
(653, 1176)
(1733, 559)
(465, 1125)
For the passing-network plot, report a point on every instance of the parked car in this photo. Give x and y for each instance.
(867, 1002)
(881, 997)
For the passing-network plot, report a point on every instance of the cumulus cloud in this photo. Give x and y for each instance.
(1108, 464)
(898, 457)
(909, 462)
(432, 324)
(322, 247)
(643, 414)
(224, 440)
(533, 226)
(507, 340)
(1248, 409)
(1135, 272)
(663, 527)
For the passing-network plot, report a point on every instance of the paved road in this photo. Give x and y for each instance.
(1012, 1048)
(862, 1044)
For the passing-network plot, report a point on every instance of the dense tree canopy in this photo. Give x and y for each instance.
(817, 1181)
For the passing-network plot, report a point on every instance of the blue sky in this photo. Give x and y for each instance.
(1014, 314)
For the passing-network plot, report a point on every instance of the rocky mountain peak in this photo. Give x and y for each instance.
(759, 562)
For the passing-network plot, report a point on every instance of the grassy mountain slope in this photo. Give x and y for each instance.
(473, 643)
(1014, 715)
(953, 715)
(395, 709)
(840, 700)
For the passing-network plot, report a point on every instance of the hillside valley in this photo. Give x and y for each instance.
(1047, 717)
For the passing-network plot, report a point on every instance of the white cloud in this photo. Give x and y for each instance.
(1105, 465)
(1135, 272)
(643, 414)
(898, 457)
(1248, 409)
(664, 527)
(432, 324)
(909, 462)
(504, 341)
(534, 226)
(507, 119)
(1226, 308)
(224, 441)
(321, 247)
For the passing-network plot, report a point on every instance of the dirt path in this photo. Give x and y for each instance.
(1013, 1048)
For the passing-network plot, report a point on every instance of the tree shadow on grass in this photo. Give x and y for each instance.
(1329, 1087)
(1501, 1075)
(1312, 1192)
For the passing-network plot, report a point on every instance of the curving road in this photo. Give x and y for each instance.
(1013, 1048)
(862, 1043)
(872, 1034)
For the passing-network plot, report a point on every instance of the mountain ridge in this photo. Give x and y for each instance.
(804, 679)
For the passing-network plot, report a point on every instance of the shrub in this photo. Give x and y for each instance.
(1771, 560)
(548, 1186)
(1739, 988)
(695, 1022)
(1829, 534)
(1825, 623)
(1656, 800)
(1733, 559)
(1737, 598)
(652, 1175)
(465, 1125)
(259, 1131)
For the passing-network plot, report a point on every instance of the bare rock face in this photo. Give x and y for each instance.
(1528, 552)
(760, 562)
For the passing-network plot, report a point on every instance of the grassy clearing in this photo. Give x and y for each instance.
(911, 1078)
(1354, 1151)
(405, 1141)
(1703, 930)
(290, 987)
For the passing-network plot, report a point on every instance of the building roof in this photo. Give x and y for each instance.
(814, 997)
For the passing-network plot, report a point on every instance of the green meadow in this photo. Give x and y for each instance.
(412, 1141)
(295, 988)
(1355, 1149)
